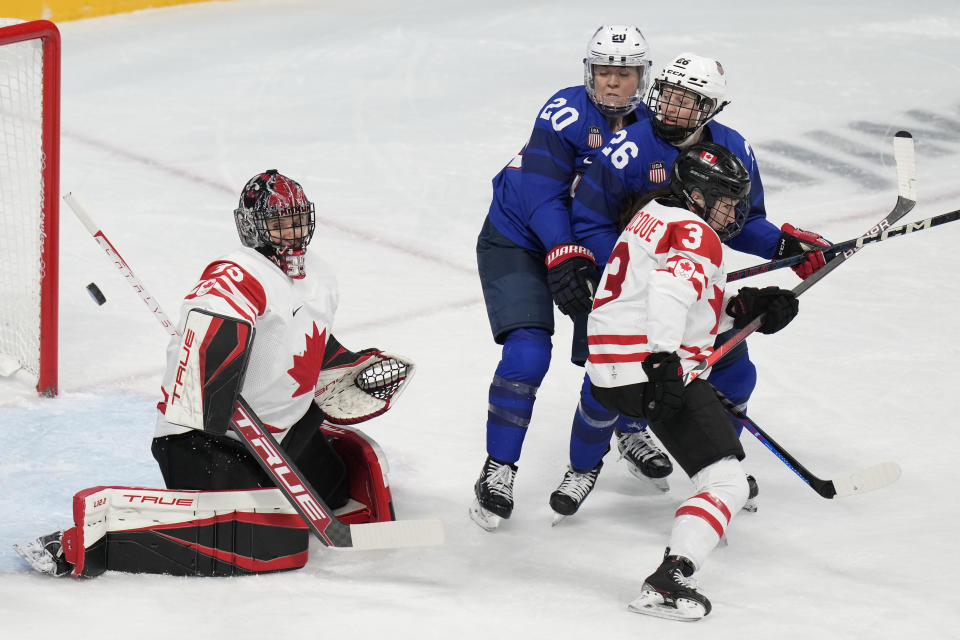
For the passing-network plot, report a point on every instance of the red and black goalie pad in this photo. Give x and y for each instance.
(366, 463)
(185, 533)
(214, 354)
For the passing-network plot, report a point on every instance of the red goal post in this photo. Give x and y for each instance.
(29, 199)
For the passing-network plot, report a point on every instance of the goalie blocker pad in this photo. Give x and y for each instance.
(214, 352)
(216, 533)
(354, 387)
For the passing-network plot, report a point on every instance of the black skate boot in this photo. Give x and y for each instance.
(494, 493)
(751, 505)
(644, 458)
(573, 490)
(45, 554)
(670, 593)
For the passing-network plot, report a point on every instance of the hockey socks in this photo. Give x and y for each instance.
(702, 520)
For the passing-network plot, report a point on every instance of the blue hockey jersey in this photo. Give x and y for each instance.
(532, 194)
(636, 161)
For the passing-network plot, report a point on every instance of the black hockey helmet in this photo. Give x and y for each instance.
(722, 181)
(276, 218)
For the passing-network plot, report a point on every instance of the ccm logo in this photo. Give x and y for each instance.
(171, 501)
(182, 365)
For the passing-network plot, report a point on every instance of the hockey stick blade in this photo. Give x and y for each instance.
(397, 534)
(905, 158)
(875, 477)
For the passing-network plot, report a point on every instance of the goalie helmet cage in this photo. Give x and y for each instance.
(29, 198)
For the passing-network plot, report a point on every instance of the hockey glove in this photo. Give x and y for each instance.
(572, 276)
(779, 307)
(794, 241)
(663, 393)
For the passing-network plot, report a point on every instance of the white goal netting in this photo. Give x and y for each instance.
(21, 203)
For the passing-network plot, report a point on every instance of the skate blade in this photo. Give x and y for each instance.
(486, 520)
(661, 484)
(751, 505)
(651, 603)
(37, 557)
(557, 519)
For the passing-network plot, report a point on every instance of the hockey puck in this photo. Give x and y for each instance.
(96, 294)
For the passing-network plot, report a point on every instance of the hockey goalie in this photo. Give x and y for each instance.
(257, 326)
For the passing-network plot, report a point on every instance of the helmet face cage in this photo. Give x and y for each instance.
(274, 212)
(721, 180)
(677, 112)
(617, 46)
(688, 93)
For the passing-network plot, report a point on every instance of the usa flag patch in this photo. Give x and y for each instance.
(658, 173)
(594, 139)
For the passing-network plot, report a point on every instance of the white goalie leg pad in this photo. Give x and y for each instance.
(99, 511)
(364, 388)
(720, 490)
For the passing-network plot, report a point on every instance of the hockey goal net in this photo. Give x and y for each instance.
(29, 190)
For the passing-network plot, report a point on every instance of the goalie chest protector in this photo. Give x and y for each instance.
(291, 320)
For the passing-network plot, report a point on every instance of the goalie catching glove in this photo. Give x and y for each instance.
(572, 276)
(354, 387)
(794, 241)
(779, 307)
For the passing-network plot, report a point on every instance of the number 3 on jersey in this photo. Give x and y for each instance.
(561, 118)
(614, 275)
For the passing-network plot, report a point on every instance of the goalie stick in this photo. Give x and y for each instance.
(120, 263)
(903, 153)
(868, 479)
(273, 459)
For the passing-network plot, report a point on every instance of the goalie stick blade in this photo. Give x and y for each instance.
(875, 477)
(397, 534)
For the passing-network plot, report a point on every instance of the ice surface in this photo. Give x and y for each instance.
(395, 116)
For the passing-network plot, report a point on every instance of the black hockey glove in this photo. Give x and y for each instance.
(794, 241)
(779, 307)
(663, 393)
(572, 276)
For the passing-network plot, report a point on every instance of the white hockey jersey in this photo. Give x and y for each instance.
(292, 320)
(662, 290)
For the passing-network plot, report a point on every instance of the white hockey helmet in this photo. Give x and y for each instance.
(689, 92)
(618, 45)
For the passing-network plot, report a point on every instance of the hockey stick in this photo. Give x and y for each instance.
(854, 244)
(868, 479)
(273, 459)
(903, 154)
(121, 264)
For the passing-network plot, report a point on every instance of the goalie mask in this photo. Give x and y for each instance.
(276, 219)
(689, 92)
(713, 182)
(617, 46)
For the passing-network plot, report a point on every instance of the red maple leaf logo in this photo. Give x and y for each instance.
(306, 367)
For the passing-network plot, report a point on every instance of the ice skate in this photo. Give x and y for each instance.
(494, 494)
(45, 554)
(573, 490)
(670, 593)
(644, 458)
(751, 505)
